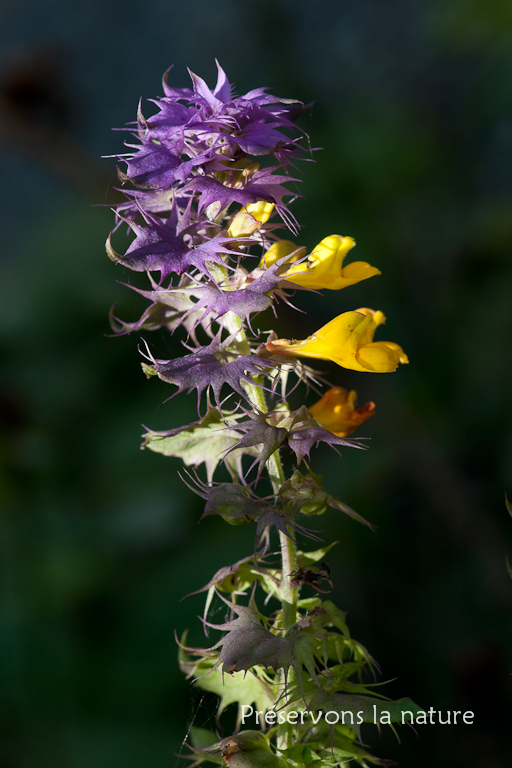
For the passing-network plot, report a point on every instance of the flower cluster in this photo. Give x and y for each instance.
(208, 181)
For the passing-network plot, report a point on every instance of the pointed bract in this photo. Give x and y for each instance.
(209, 368)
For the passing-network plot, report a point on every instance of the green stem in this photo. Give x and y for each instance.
(288, 547)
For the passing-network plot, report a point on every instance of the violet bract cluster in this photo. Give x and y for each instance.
(208, 179)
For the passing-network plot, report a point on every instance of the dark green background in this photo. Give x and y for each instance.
(100, 541)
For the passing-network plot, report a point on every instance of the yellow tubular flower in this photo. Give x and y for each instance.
(348, 341)
(260, 210)
(279, 250)
(324, 267)
(336, 411)
(250, 218)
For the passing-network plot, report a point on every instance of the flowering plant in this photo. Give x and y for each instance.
(208, 184)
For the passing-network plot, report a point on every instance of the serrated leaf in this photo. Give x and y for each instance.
(309, 603)
(203, 441)
(340, 675)
(370, 709)
(343, 749)
(247, 643)
(235, 688)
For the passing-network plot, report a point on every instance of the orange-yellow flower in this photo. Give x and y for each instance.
(324, 266)
(336, 411)
(348, 341)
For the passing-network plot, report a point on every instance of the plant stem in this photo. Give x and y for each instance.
(288, 545)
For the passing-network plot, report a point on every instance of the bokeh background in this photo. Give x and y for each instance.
(99, 541)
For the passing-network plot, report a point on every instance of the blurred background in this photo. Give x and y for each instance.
(99, 541)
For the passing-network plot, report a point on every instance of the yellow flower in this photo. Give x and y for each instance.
(260, 210)
(324, 266)
(348, 341)
(279, 250)
(337, 413)
(250, 218)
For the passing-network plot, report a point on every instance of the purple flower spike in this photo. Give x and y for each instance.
(189, 169)
(198, 134)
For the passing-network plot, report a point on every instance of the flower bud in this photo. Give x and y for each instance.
(336, 411)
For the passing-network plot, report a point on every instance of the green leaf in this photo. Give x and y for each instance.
(236, 688)
(244, 687)
(367, 708)
(317, 753)
(202, 737)
(304, 559)
(204, 441)
(340, 674)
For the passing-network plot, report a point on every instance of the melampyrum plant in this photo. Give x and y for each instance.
(205, 183)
